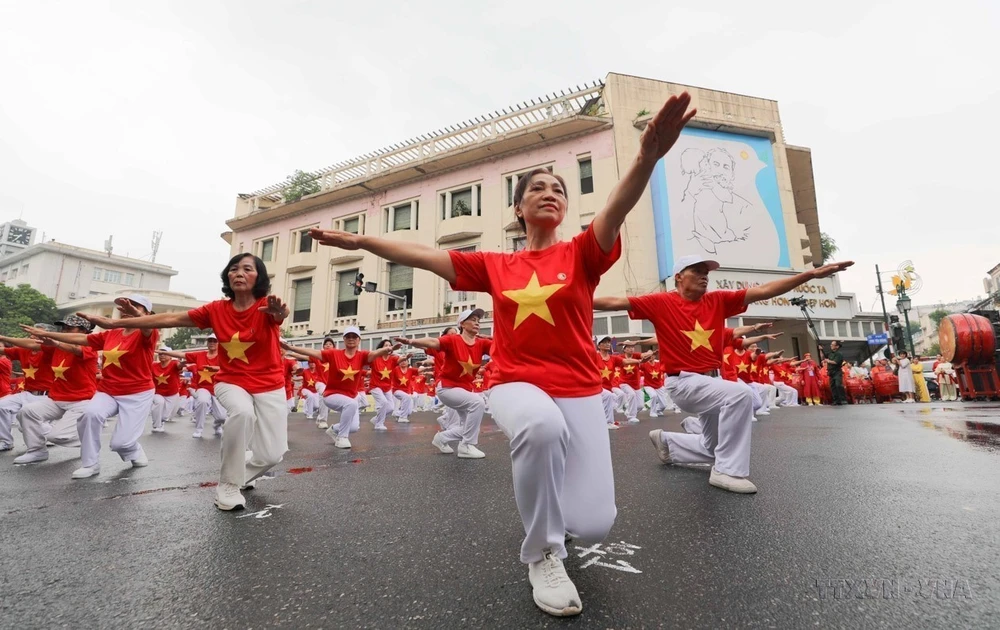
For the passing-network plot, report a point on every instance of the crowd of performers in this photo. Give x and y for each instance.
(549, 390)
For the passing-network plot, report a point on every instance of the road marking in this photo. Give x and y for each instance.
(617, 549)
(265, 513)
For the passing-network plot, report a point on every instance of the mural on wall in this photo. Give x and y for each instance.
(716, 194)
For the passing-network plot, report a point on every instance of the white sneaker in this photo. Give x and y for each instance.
(469, 451)
(86, 471)
(249, 486)
(141, 461)
(228, 497)
(381, 427)
(552, 589)
(742, 485)
(322, 425)
(441, 445)
(331, 432)
(612, 427)
(218, 431)
(6, 446)
(404, 421)
(662, 451)
(310, 417)
(653, 415)
(763, 413)
(677, 409)
(633, 421)
(196, 434)
(159, 430)
(31, 458)
(342, 443)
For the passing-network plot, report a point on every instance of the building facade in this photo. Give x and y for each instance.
(16, 236)
(731, 188)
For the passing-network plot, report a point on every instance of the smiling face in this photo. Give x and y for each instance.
(544, 204)
(693, 280)
(243, 275)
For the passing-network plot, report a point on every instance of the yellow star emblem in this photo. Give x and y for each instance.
(385, 372)
(531, 300)
(113, 356)
(629, 368)
(60, 370)
(29, 372)
(725, 357)
(402, 380)
(205, 376)
(326, 367)
(700, 338)
(349, 373)
(753, 368)
(162, 379)
(468, 367)
(618, 372)
(237, 349)
(654, 374)
(605, 372)
(742, 367)
(20, 385)
(311, 382)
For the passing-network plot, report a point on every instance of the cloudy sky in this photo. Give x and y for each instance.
(125, 117)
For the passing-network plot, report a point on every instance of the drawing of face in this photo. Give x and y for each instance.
(720, 166)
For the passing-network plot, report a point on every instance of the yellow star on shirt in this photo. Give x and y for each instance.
(237, 349)
(326, 367)
(654, 374)
(162, 379)
(605, 372)
(700, 338)
(20, 385)
(468, 367)
(29, 372)
(402, 380)
(725, 357)
(753, 368)
(742, 367)
(205, 376)
(531, 300)
(113, 356)
(629, 368)
(349, 373)
(311, 382)
(60, 370)
(618, 372)
(385, 372)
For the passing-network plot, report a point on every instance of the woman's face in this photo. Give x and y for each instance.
(471, 325)
(544, 202)
(243, 275)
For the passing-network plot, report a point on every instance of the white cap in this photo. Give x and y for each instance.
(212, 336)
(684, 262)
(138, 299)
(466, 314)
(352, 330)
(165, 349)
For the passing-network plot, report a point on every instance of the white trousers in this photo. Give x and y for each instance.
(632, 398)
(163, 408)
(312, 398)
(448, 418)
(205, 402)
(470, 409)
(362, 398)
(132, 411)
(788, 396)
(347, 407)
(46, 420)
(9, 406)
(256, 423)
(186, 405)
(659, 399)
(561, 459)
(383, 405)
(608, 400)
(405, 404)
(725, 410)
(619, 398)
(767, 395)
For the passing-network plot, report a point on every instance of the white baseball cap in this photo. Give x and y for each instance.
(684, 262)
(142, 300)
(212, 337)
(352, 330)
(165, 349)
(466, 314)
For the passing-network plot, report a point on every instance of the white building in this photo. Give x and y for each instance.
(16, 236)
(104, 305)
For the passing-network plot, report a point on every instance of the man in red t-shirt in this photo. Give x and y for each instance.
(319, 370)
(167, 382)
(690, 327)
(53, 418)
(204, 366)
(37, 381)
(402, 388)
(631, 370)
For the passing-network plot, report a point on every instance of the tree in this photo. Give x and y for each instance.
(915, 328)
(934, 349)
(300, 184)
(937, 316)
(24, 305)
(829, 247)
(181, 338)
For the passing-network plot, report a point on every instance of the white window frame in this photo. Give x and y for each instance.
(389, 215)
(460, 299)
(338, 223)
(112, 276)
(297, 240)
(476, 195)
(580, 159)
(258, 247)
(510, 180)
(98, 274)
(129, 279)
(512, 240)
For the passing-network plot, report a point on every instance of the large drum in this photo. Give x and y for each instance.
(886, 384)
(967, 339)
(855, 388)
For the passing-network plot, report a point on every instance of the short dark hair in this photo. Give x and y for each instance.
(330, 339)
(447, 328)
(522, 185)
(260, 288)
(382, 343)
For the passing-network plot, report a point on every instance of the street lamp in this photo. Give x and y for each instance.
(903, 304)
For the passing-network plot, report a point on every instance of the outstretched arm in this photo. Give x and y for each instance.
(437, 261)
(659, 135)
(428, 343)
(65, 347)
(146, 322)
(611, 304)
(307, 353)
(784, 285)
(746, 330)
(384, 351)
(73, 338)
(21, 342)
(752, 340)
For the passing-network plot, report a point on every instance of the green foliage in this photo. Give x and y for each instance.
(937, 316)
(24, 305)
(934, 350)
(642, 112)
(300, 184)
(181, 339)
(829, 246)
(915, 328)
(460, 209)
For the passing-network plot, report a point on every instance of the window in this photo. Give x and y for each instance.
(464, 202)
(352, 225)
(648, 328)
(3, 276)
(513, 179)
(112, 276)
(600, 327)
(459, 297)
(586, 177)
(130, 279)
(842, 329)
(855, 329)
(267, 250)
(518, 243)
(24, 270)
(401, 217)
(347, 302)
(733, 322)
(404, 216)
(400, 283)
(305, 241)
(98, 273)
(866, 328)
(13, 273)
(303, 300)
(619, 325)
(485, 331)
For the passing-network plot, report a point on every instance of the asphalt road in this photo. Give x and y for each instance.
(867, 516)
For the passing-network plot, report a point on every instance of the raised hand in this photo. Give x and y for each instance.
(396, 346)
(97, 320)
(126, 308)
(275, 308)
(773, 336)
(37, 333)
(828, 270)
(762, 325)
(336, 238)
(663, 130)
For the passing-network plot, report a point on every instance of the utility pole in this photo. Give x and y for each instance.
(885, 314)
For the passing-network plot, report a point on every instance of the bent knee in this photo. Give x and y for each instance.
(593, 526)
(543, 429)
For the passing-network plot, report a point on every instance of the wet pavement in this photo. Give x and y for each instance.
(867, 516)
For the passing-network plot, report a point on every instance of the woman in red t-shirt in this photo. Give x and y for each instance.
(167, 381)
(402, 388)
(448, 416)
(547, 393)
(315, 407)
(249, 383)
(461, 357)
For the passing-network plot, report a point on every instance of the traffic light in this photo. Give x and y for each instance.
(359, 283)
(896, 331)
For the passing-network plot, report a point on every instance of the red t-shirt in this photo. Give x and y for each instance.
(652, 372)
(250, 356)
(74, 377)
(167, 380)
(762, 374)
(488, 375)
(200, 377)
(128, 360)
(543, 313)
(631, 372)
(308, 381)
(382, 368)
(438, 363)
(741, 364)
(606, 369)
(419, 384)
(402, 380)
(320, 370)
(17, 385)
(345, 373)
(690, 334)
(36, 368)
(289, 373)
(5, 371)
(460, 361)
